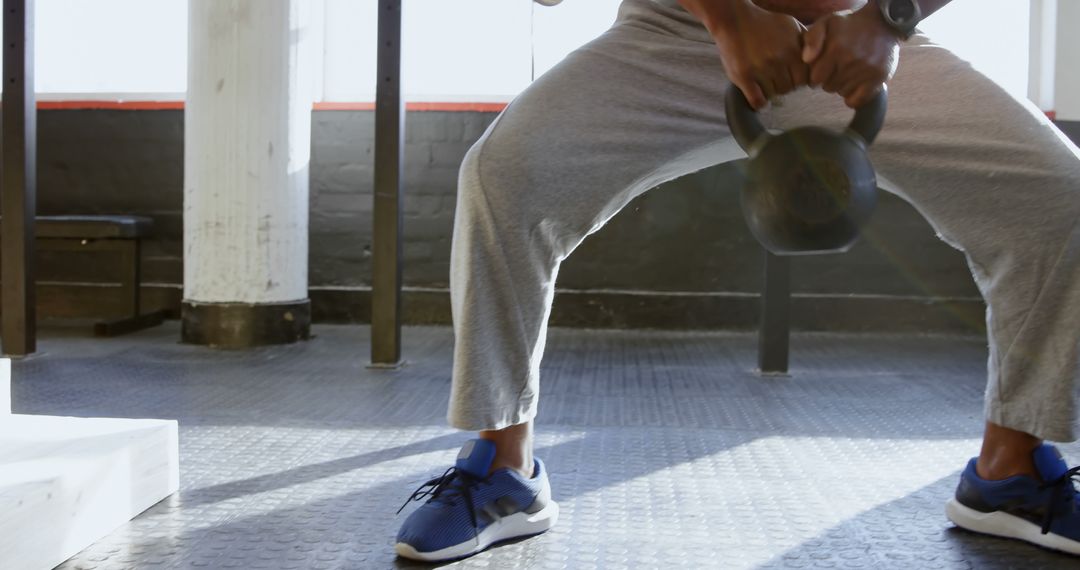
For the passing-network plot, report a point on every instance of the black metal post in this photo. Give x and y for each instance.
(18, 202)
(389, 158)
(774, 332)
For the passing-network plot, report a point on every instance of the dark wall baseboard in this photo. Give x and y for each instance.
(589, 309)
(689, 311)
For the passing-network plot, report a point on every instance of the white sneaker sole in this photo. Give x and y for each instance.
(1008, 526)
(514, 526)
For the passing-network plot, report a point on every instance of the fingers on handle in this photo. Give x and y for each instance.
(800, 75)
(863, 94)
(754, 94)
(851, 85)
(821, 72)
(754, 91)
(813, 43)
(782, 82)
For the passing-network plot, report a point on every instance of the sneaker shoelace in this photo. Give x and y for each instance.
(447, 487)
(1063, 497)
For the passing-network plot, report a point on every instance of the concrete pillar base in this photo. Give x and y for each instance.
(244, 325)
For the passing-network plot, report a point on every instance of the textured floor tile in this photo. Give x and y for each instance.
(665, 450)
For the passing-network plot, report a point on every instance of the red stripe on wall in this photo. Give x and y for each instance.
(325, 106)
(322, 106)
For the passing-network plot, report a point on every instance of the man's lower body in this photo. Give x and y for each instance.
(643, 104)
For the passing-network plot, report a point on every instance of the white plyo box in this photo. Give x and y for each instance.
(67, 482)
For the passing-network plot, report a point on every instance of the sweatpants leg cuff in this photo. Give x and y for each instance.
(1036, 421)
(493, 418)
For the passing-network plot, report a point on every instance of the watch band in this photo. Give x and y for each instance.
(901, 15)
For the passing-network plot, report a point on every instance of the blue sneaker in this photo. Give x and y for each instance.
(469, 510)
(1044, 513)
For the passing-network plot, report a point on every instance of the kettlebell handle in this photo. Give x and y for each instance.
(748, 131)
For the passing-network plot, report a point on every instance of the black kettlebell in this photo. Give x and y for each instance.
(810, 189)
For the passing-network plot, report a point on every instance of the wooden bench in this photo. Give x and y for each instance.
(121, 235)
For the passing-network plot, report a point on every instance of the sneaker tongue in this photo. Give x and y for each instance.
(1049, 462)
(475, 457)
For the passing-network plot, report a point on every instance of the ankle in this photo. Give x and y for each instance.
(513, 448)
(996, 468)
(525, 469)
(1006, 453)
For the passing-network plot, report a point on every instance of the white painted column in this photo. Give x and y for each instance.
(246, 154)
(1042, 53)
(1054, 83)
(1067, 81)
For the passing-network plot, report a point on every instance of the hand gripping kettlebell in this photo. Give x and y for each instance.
(810, 189)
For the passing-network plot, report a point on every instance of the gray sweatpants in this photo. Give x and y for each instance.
(643, 104)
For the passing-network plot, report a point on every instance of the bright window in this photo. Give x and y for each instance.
(90, 48)
(455, 50)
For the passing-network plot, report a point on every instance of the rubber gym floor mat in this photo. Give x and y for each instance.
(665, 449)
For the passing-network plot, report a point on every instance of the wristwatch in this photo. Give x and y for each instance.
(901, 15)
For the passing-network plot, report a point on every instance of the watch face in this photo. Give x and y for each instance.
(902, 11)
